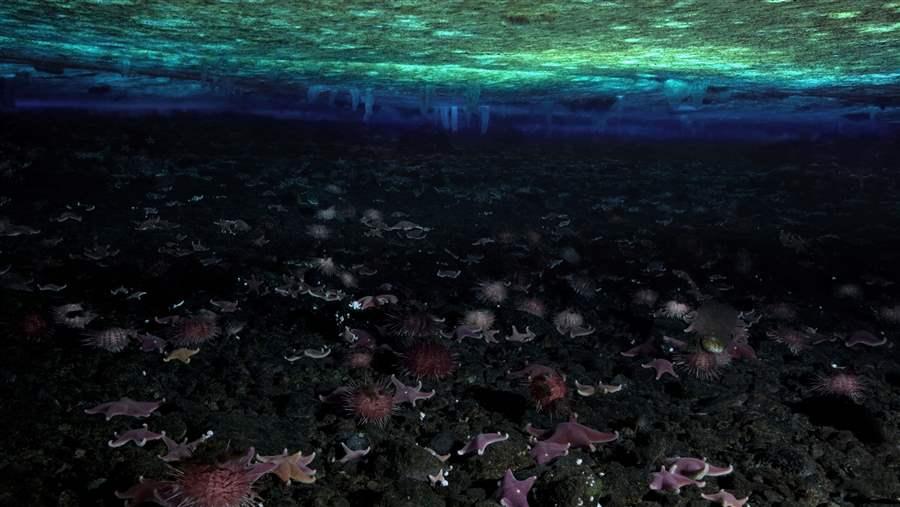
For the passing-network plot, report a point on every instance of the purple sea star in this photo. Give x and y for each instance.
(669, 480)
(353, 454)
(545, 452)
(725, 498)
(481, 441)
(566, 435)
(697, 468)
(579, 436)
(662, 367)
(125, 406)
(863, 337)
(409, 394)
(176, 451)
(139, 436)
(514, 493)
(151, 343)
(647, 348)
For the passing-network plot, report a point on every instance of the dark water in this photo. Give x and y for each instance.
(763, 243)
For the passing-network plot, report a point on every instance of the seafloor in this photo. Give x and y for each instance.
(792, 249)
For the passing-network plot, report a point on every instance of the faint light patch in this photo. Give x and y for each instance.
(487, 58)
(451, 33)
(779, 1)
(843, 15)
(879, 28)
(409, 23)
(620, 27)
(165, 23)
(368, 13)
(678, 25)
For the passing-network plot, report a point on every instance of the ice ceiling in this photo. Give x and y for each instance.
(384, 60)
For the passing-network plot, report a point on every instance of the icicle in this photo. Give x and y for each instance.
(425, 99)
(484, 113)
(454, 118)
(684, 94)
(369, 103)
(473, 94)
(354, 98)
(444, 113)
(313, 92)
(125, 67)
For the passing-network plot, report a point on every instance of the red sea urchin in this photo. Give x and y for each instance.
(841, 384)
(546, 386)
(34, 327)
(371, 403)
(547, 390)
(702, 364)
(229, 484)
(114, 339)
(429, 359)
(414, 324)
(196, 330)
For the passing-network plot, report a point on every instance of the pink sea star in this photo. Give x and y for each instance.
(863, 337)
(545, 452)
(353, 454)
(514, 493)
(725, 498)
(481, 441)
(125, 406)
(670, 480)
(696, 468)
(662, 367)
(139, 436)
(176, 451)
(409, 394)
(290, 467)
(566, 435)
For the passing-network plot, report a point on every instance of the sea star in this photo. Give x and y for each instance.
(697, 468)
(151, 343)
(514, 493)
(545, 452)
(139, 436)
(481, 441)
(176, 451)
(669, 480)
(125, 406)
(579, 436)
(662, 367)
(409, 394)
(182, 354)
(353, 454)
(520, 337)
(291, 466)
(863, 337)
(725, 498)
(646, 348)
